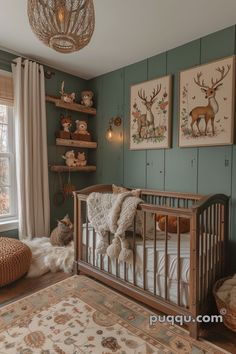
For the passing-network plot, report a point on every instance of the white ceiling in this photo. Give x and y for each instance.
(126, 31)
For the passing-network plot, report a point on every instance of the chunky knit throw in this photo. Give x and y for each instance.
(113, 213)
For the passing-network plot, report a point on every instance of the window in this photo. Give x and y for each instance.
(8, 199)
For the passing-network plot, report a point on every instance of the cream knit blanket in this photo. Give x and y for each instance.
(113, 213)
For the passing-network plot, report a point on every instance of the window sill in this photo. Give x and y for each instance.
(8, 225)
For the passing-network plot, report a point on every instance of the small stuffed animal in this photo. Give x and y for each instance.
(66, 97)
(81, 127)
(63, 233)
(184, 224)
(66, 123)
(87, 98)
(70, 158)
(81, 159)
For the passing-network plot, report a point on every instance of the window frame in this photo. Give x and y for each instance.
(10, 221)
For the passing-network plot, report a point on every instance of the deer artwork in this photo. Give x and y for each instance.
(208, 112)
(141, 120)
(148, 118)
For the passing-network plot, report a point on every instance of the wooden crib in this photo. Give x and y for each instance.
(209, 219)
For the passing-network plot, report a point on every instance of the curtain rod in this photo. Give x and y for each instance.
(47, 73)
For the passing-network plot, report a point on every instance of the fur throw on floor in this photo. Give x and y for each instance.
(46, 257)
(113, 213)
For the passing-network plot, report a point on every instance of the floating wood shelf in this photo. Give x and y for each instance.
(63, 168)
(71, 106)
(76, 143)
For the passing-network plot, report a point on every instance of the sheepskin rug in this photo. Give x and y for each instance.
(46, 258)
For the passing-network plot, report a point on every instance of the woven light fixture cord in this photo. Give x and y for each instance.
(64, 25)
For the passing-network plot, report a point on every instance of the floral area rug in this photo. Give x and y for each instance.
(80, 316)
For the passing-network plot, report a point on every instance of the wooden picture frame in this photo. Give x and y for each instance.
(206, 104)
(150, 114)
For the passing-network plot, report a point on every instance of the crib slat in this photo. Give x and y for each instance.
(108, 258)
(210, 249)
(201, 258)
(87, 245)
(214, 244)
(144, 249)
(217, 241)
(94, 240)
(125, 271)
(206, 255)
(166, 254)
(155, 257)
(134, 250)
(101, 262)
(117, 268)
(178, 259)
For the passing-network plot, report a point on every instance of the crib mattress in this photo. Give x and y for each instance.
(172, 264)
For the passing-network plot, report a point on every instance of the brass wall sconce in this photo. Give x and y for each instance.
(116, 121)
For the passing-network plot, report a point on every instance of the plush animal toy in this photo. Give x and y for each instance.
(66, 97)
(81, 127)
(81, 159)
(66, 123)
(87, 98)
(70, 158)
(184, 224)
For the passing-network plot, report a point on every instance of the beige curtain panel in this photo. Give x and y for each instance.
(31, 152)
(6, 89)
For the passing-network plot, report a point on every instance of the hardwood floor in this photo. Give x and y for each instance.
(27, 286)
(218, 334)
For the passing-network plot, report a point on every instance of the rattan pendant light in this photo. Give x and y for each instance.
(64, 25)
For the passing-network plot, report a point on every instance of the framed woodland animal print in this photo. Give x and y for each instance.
(206, 106)
(150, 114)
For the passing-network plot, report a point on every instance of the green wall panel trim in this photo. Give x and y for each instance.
(181, 170)
(112, 103)
(156, 158)
(5, 60)
(181, 164)
(134, 161)
(218, 176)
(218, 45)
(214, 170)
(156, 169)
(10, 233)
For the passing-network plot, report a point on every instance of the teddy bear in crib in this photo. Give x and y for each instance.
(172, 224)
(81, 159)
(70, 159)
(87, 98)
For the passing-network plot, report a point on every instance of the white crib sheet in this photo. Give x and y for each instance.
(172, 283)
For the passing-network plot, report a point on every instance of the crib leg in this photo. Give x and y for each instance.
(75, 268)
(194, 330)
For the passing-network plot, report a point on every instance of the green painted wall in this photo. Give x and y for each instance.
(72, 84)
(200, 170)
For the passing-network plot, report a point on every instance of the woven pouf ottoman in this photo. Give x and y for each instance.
(15, 260)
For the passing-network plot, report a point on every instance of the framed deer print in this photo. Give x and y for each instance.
(206, 116)
(150, 114)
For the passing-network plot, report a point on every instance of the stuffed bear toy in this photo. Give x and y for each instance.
(184, 224)
(70, 158)
(87, 98)
(81, 127)
(81, 159)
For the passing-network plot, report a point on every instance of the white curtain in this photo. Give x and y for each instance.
(31, 149)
